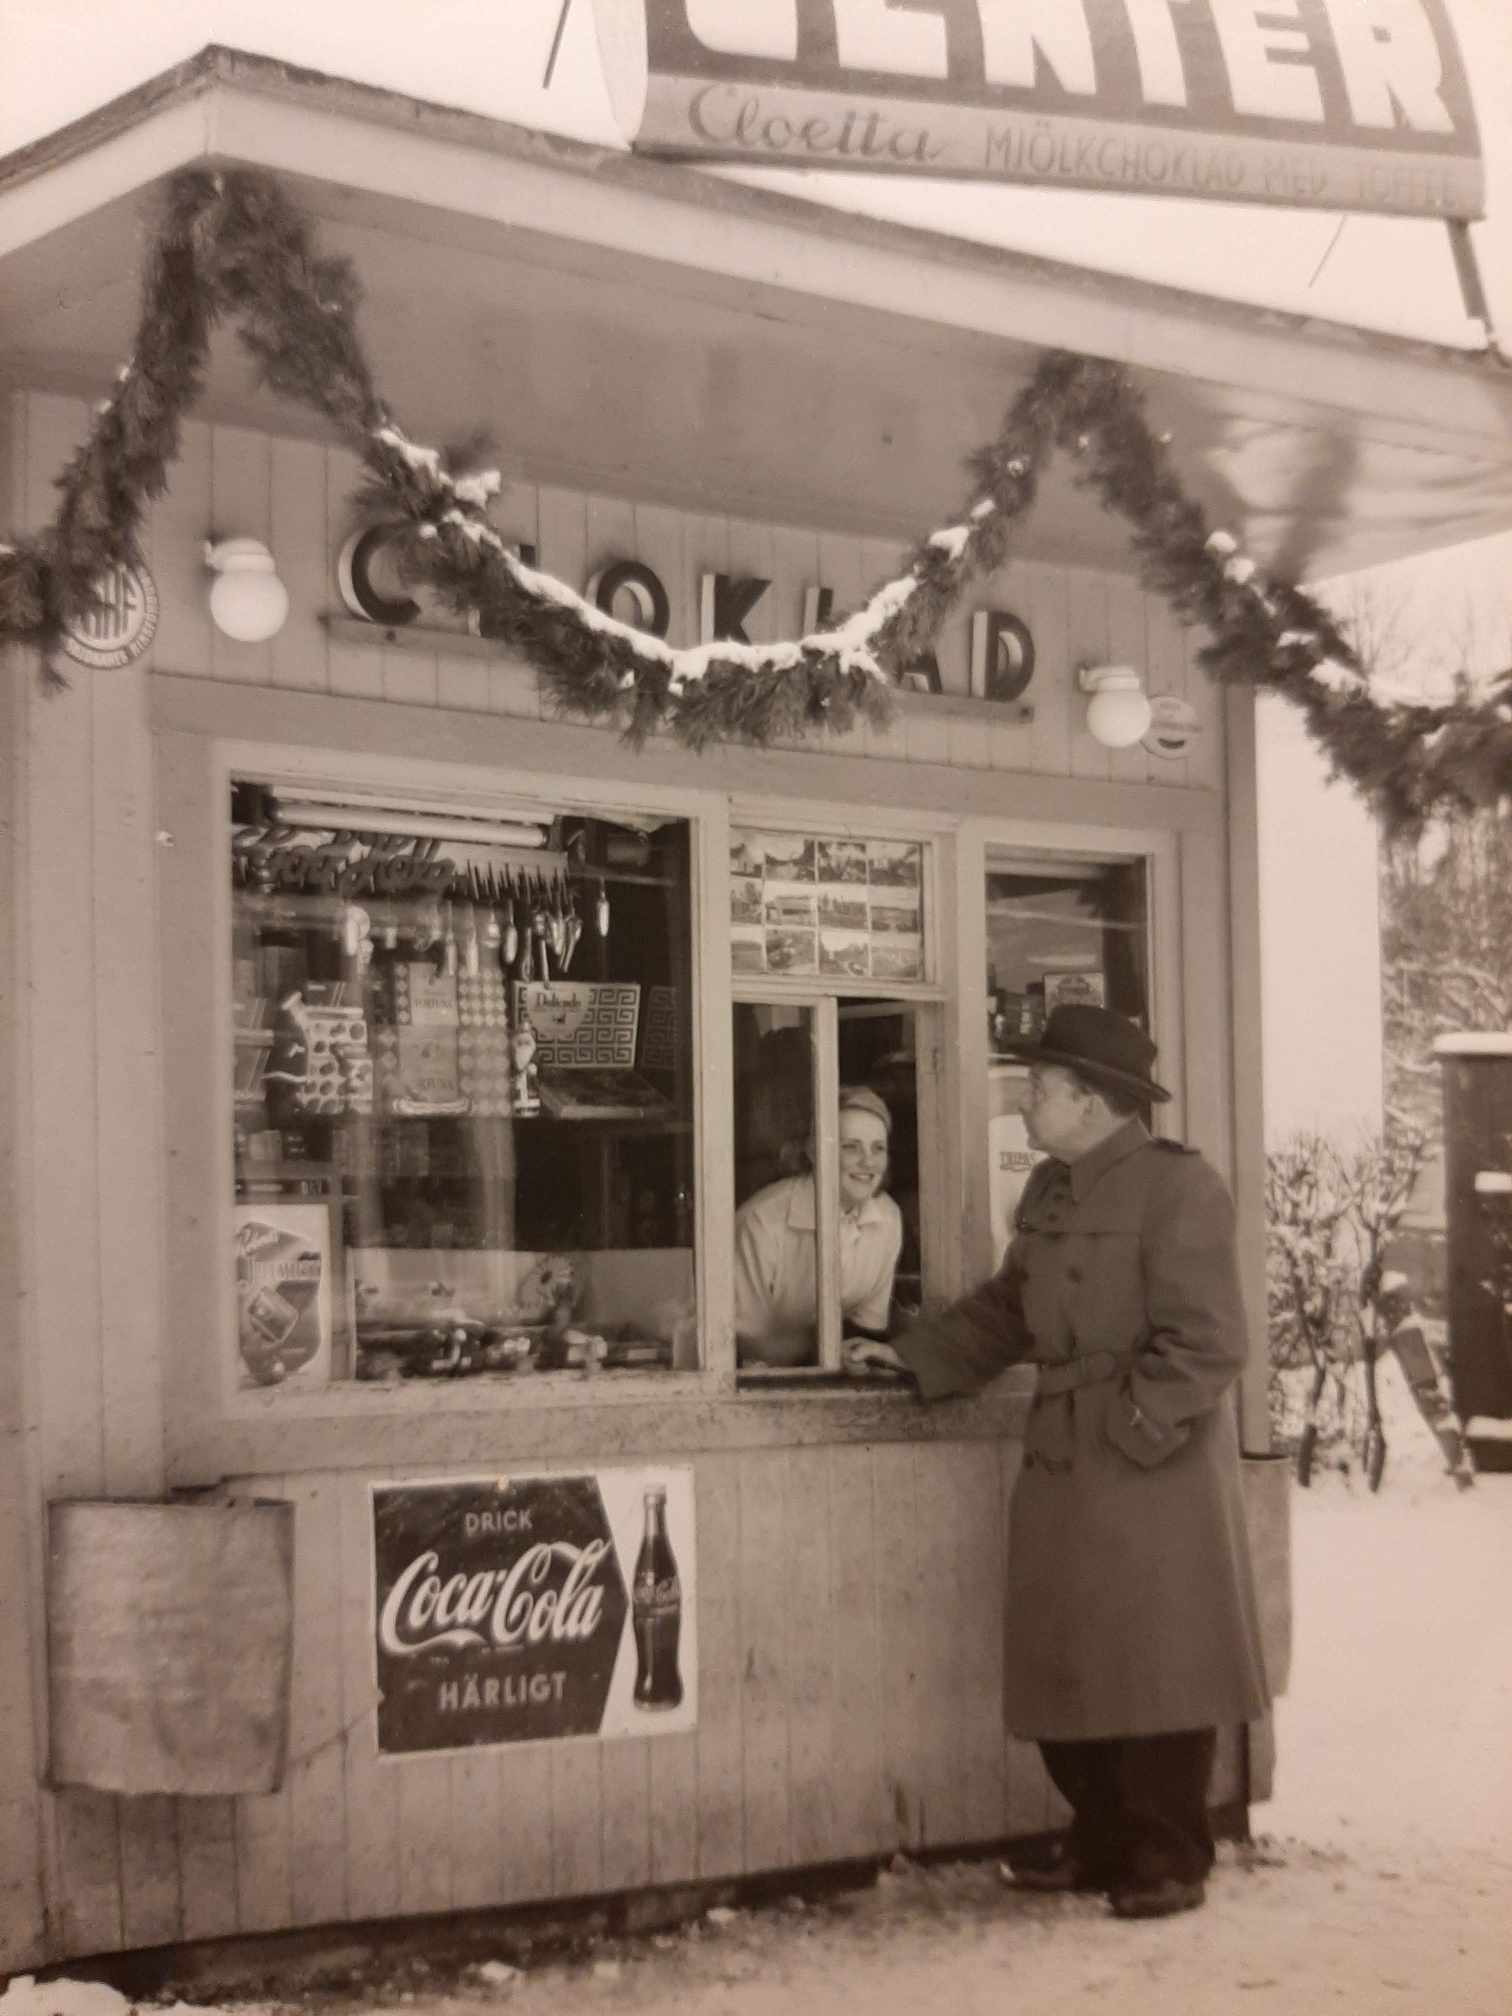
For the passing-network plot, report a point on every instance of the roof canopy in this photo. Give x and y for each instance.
(656, 332)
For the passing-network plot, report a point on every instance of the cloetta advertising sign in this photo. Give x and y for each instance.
(1338, 104)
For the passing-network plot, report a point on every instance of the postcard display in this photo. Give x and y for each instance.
(839, 909)
(463, 1098)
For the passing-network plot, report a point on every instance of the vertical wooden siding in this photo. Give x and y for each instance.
(295, 495)
(849, 1630)
(849, 1672)
(21, 1815)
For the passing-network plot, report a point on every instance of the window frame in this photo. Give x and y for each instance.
(1158, 853)
(195, 772)
(202, 735)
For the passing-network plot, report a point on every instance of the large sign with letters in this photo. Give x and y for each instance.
(1338, 104)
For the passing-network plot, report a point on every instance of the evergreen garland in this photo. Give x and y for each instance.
(233, 245)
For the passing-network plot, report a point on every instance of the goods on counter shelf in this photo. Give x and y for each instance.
(464, 1349)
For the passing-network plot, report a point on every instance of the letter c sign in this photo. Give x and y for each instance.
(354, 576)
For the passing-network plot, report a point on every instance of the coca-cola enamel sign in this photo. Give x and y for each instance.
(535, 1607)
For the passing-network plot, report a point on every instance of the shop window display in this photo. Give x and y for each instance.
(463, 1086)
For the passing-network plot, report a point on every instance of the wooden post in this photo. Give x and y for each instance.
(20, 1820)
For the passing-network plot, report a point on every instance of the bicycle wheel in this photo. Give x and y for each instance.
(1375, 1457)
(1307, 1443)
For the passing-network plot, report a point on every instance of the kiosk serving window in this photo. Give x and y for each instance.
(833, 1048)
(463, 1089)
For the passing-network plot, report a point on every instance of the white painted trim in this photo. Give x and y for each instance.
(969, 1055)
(827, 820)
(175, 137)
(813, 775)
(315, 769)
(713, 1095)
(1244, 1035)
(827, 1178)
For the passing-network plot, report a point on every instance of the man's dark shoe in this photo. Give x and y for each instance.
(1061, 1874)
(1156, 1900)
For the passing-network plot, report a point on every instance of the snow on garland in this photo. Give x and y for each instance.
(233, 245)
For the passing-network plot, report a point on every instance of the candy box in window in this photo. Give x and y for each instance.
(418, 1071)
(283, 1295)
(585, 1023)
(1084, 988)
(319, 1061)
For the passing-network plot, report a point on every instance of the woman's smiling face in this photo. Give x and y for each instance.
(863, 1156)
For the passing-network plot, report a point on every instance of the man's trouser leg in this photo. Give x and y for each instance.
(1163, 1788)
(1139, 1803)
(1080, 1773)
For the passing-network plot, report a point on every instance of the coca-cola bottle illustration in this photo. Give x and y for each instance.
(656, 1610)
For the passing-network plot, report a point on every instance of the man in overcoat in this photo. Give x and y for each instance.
(1132, 1629)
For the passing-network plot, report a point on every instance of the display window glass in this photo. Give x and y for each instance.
(463, 1077)
(1059, 928)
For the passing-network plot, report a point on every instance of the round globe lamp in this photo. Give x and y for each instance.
(248, 602)
(1118, 711)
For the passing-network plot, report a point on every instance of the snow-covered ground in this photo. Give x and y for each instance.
(1396, 1730)
(1380, 1878)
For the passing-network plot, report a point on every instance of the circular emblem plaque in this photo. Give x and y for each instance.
(1174, 726)
(121, 627)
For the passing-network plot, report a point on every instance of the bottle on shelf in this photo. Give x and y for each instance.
(525, 1087)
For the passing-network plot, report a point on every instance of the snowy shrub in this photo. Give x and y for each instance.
(1330, 1213)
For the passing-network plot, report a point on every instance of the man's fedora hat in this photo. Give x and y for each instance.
(1103, 1048)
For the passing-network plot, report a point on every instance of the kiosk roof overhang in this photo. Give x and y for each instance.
(657, 332)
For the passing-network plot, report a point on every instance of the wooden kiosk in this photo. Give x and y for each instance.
(714, 388)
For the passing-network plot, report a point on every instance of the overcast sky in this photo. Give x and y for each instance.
(61, 58)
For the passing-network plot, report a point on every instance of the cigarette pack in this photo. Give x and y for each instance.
(1084, 988)
(576, 1094)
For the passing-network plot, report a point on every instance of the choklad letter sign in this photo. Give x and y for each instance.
(1337, 104)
